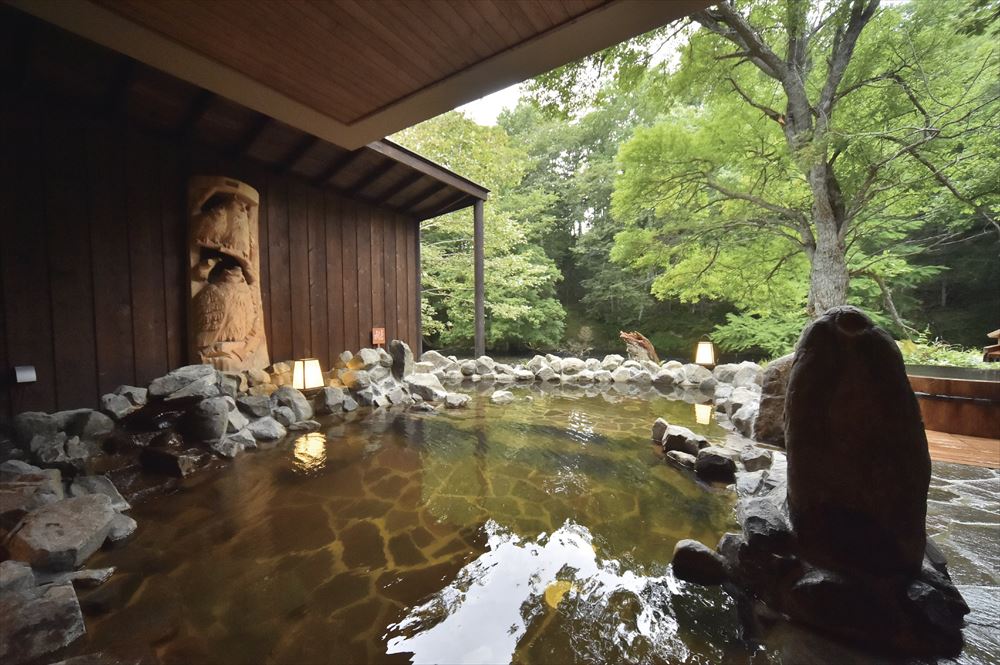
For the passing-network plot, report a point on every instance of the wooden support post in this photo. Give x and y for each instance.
(480, 287)
(418, 343)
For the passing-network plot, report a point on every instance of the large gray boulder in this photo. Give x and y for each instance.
(695, 374)
(694, 562)
(24, 488)
(769, 427)
(744, 418)
(30, 424)
(858, 465)
(38, 621)
(572, 366)
(365, 359)
(207, 420)
(255, 406)
(116, 406)
(267, 429)
(329, 400)
(62, 535)
(436, 359)
(84, 485)
(178, 379)
(716, 463)
(427, 386)
(402, 358)
(675, 437)
(136, 395)
(611, 362)
(294, 400)
(85, 423)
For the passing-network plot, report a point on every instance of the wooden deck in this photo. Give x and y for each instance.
(971, 450)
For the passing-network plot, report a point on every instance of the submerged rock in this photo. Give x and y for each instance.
(456, 400)
(502, 397)
(858, 465)
(681, 459)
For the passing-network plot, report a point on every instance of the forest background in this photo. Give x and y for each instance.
(731, 176)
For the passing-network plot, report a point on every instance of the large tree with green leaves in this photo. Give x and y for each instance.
(806, 152)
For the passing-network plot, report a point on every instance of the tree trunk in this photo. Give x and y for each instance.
(828, 277)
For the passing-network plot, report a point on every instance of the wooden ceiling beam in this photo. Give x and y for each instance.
(372, 176)
(449, 203)
(116, 98)
(196, 111)
(297, 152)
(401, 185)
(250, 136)
(422, 196)
(338, 165)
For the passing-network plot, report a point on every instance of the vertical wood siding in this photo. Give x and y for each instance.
(93, 261)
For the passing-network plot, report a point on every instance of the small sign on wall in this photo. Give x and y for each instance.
(378, 336)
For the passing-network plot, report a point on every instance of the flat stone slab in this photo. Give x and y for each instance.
(37, 622)
(62, 535)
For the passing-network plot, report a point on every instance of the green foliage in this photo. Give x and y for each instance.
(925, 351)
(717, 206)
(775, 335)
(521, 305)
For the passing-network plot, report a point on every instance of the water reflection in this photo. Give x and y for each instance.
(520, 589)
(310, 452)
(703, 414)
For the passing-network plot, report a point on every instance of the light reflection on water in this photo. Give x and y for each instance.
(485, 613)
(310, 452)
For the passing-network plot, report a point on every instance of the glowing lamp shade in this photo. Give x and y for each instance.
(705, 353)
(703, 414)
(306, 374)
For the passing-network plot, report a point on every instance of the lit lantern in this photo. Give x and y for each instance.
(307, 375)
(703, 414)
(705, 353)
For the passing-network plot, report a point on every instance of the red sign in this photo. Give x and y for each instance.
(378, 336)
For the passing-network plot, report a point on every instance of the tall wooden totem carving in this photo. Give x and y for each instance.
(226, 318)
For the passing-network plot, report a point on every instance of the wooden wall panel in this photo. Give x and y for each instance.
(389, 276)
(377, 273)
(174, 216)
(280, 342)
(318, 322)
(70, 272)
(145, 238)
(349, 252)
(402, 301)
(111, 261)
(334, 275)
(93, 263)
(298, 264)
(24, 252)
(364, 295)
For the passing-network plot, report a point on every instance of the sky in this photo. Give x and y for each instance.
(486, 109)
